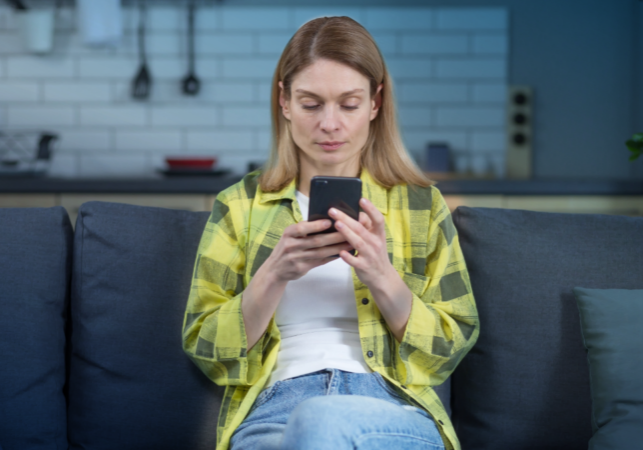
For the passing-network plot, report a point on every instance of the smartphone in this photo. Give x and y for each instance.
(342, 193)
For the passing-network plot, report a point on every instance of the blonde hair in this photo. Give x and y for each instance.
(343, 40)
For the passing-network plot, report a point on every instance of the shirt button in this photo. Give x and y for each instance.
(369, 354)
(364, 301)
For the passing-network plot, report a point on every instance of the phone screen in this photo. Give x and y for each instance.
(342, 193)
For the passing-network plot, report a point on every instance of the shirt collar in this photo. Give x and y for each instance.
(374, 192)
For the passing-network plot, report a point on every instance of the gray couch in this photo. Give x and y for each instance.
(90, 327)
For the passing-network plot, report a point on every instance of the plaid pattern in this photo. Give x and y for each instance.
(422, 241)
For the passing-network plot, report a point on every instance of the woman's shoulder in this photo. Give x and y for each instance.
(418, 197)
(243, 190)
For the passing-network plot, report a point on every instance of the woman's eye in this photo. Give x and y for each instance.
(317, 106)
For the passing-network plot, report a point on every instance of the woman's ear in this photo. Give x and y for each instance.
(377, 101)
(285, 105)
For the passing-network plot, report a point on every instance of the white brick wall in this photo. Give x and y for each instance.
(449, 67)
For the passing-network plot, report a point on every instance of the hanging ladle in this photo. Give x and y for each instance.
(142, 83)
(191, 83)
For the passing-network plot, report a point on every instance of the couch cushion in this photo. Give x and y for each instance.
(35, 271)
(525, 384)
(131, 385)
(612, 325)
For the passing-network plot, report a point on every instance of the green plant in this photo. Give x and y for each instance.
(635, 145)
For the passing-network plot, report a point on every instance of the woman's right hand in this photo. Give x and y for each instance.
(294, 255)
(297, 252)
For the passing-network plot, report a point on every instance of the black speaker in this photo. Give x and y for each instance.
(520, 119)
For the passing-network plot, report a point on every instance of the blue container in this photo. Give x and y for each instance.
(437, 157)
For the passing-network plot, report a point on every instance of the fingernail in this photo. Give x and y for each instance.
(326, 223)
(339, 225)
(333, 211)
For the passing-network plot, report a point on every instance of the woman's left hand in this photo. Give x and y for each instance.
(372, 266)
(368, 237)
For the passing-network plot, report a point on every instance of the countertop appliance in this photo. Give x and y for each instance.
(25, 153)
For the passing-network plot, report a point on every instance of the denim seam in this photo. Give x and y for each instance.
(356, 441)
(331, 382)
(268, 396)
(387, 388)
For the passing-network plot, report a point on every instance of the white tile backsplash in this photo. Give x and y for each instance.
(487, 141)
(194, 116)
(431, 44)
(113, 115)
(246, 116)
(106, 67)
(264, 92)
(489, 93)
(40, 116)
(227, 92)
(470, 116)
(471, 68)
(271, 43)
(415, 116)
(398, 19)
(388, 42)
(303, 15)
(152, 141)
(85, 141)
(224, 44)
(78, 91)
(255, 18)
(9, 43)
(217, 141)
(491, 44)
(473, 19)
(409, 67)
(432, 93)
(449, 67)
(114, 165)
(42, 67)
(263, 141)
(165, 18)
(19, 91)
(63, 165)
(259, 67)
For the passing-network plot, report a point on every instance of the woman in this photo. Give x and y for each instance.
(318, 350)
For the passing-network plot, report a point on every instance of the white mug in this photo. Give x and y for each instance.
(37, 29)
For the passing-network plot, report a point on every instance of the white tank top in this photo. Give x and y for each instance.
(317, 318)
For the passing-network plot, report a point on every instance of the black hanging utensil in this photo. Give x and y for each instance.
(191, 84)
(142, 84)
(44, 145)
(18, 5)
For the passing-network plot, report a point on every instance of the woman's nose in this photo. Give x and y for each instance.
(330, 119)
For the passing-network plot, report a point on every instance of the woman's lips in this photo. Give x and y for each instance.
(331, 146)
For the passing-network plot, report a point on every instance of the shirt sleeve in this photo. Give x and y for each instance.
(443, 325)
(214, 334)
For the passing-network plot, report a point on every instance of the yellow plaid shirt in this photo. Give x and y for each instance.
(246, 224)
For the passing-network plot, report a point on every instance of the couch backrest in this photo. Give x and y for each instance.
(35, 269)
(131, 385)
(525, 384)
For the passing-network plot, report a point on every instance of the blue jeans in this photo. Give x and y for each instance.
(333, 409)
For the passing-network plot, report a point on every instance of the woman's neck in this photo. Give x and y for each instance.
(307, 173)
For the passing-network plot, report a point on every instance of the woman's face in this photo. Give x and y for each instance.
(330, 111)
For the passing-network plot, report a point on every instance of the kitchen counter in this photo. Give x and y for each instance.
(212, 185)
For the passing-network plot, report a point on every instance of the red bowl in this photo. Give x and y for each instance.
(191, 162)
